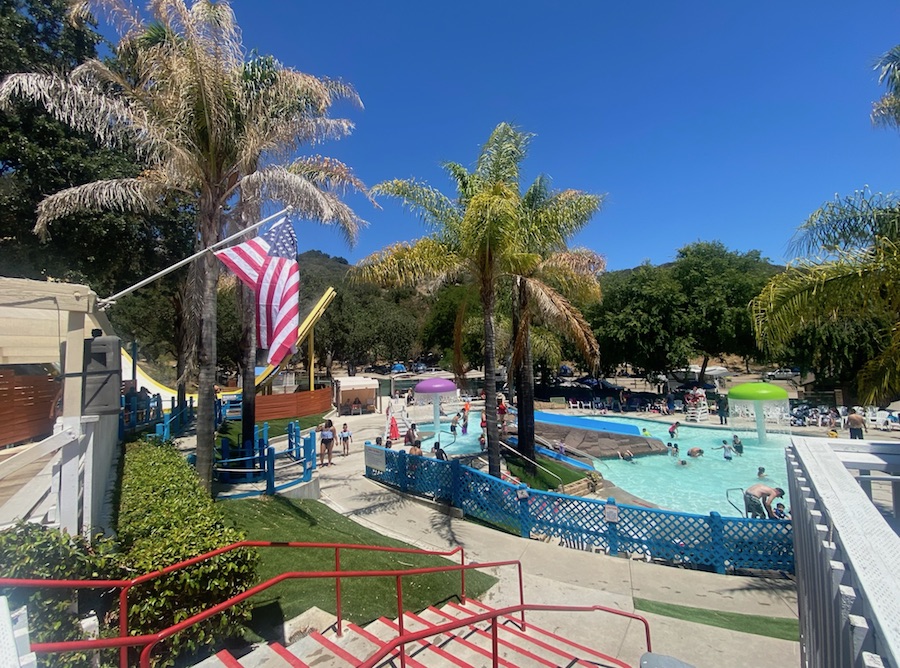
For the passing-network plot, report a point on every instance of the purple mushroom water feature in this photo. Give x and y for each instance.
(436, 388)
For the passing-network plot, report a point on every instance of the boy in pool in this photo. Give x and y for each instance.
(673, 430)
(453, 423)
(628, 456)
(779, 512)
(727, 450)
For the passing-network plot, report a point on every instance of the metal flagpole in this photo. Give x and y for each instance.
(109, 301)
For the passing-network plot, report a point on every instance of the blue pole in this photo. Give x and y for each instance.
(270, 471)
(402, 459)
(612, 532)
(717, 540)
(265, 430)
(309, 456)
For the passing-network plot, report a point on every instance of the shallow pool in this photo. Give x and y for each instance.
(702, 485)
(461, 444)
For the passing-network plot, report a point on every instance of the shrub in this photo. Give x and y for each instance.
(165, 517)
(36, 552)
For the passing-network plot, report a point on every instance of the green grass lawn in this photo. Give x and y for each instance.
(232, 428)
(772, 627)
(363, 599)
(543, 480)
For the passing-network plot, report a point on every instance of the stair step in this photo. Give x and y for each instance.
(427, 651)
(510, 653)
(546, 636)
(287, 656)
(263, 656)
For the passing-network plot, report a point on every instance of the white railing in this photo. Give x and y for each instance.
(846, 556)
(70, 490)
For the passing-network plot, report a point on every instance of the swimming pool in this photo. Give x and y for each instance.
(701, 486)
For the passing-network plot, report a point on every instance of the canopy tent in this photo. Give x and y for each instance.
(355, 394)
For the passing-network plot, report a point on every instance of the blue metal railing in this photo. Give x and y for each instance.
(706, 541)
(259, 463)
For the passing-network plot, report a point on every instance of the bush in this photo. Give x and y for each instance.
(165, 517)
(36, 552)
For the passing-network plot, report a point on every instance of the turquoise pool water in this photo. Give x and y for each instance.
(461, 445)
(701, 486)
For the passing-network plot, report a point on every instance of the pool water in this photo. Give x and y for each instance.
(461, 445)
(701, 486)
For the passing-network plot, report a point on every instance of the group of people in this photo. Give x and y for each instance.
(415, 448)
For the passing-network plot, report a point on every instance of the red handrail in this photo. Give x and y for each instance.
(492, 615)
(149, 641)
(126, 585)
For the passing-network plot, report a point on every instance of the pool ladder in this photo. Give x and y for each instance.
(728, 497)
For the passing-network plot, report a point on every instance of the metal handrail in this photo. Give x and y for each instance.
(124, 641)
(492, 615)
(546, 470)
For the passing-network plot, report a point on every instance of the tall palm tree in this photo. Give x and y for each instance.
(487, 235)
(550, 219)
(539, 290)
(183, 103)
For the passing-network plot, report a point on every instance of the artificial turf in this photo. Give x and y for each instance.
(772, 627)
(543, 480)
(363, 599)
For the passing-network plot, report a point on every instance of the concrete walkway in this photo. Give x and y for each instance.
(559, 575)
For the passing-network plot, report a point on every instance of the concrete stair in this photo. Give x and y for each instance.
(468, 646)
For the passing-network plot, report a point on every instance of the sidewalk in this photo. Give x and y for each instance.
(558, 575)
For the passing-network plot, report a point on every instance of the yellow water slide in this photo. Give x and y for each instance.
(167, 393)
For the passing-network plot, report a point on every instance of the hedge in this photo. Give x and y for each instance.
(33, 551)
(166, 517)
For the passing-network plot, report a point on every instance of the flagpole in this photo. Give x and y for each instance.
(109, 301)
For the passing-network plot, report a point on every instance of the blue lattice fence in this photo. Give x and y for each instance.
(709, 541)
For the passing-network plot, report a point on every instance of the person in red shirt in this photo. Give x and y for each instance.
(502, 410)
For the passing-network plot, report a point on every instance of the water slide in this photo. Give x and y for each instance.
(167, 393)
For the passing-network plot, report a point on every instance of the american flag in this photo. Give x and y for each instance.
(268, 264)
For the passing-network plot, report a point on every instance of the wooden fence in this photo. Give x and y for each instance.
(294, 405)
(26, 404)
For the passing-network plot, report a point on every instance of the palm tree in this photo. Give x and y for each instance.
(178, 94)
(857, 241)
(854, 244)
(549, 220)
(539, 290)
(486, 235)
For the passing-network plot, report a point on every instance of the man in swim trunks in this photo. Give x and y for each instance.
(695, 452)
(758, 500)
(856, 423)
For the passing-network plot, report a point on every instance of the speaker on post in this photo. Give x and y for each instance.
(102, 375)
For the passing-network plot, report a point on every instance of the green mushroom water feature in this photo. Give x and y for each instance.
(757, 400)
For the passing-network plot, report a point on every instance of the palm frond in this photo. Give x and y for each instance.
(327, 174)
(563, 215)
(110, 121)
(558, 313)
(124, 16)
(429, 204)
(574, 272)
(502, 155)
(138, 195)
(855, 282)
(879, 379)
(849, 222)
(407, 265)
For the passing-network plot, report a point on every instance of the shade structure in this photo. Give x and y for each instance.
(758, 400)
(436, 387)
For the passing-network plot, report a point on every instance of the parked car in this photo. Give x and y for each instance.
(785, 373)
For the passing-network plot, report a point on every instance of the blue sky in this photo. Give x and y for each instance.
(699, 120)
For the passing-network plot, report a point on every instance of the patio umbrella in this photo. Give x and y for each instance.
(435, 388)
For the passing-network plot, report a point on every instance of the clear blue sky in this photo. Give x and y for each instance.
(707, 120)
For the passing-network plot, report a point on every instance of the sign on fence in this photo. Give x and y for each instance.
(375, 459)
